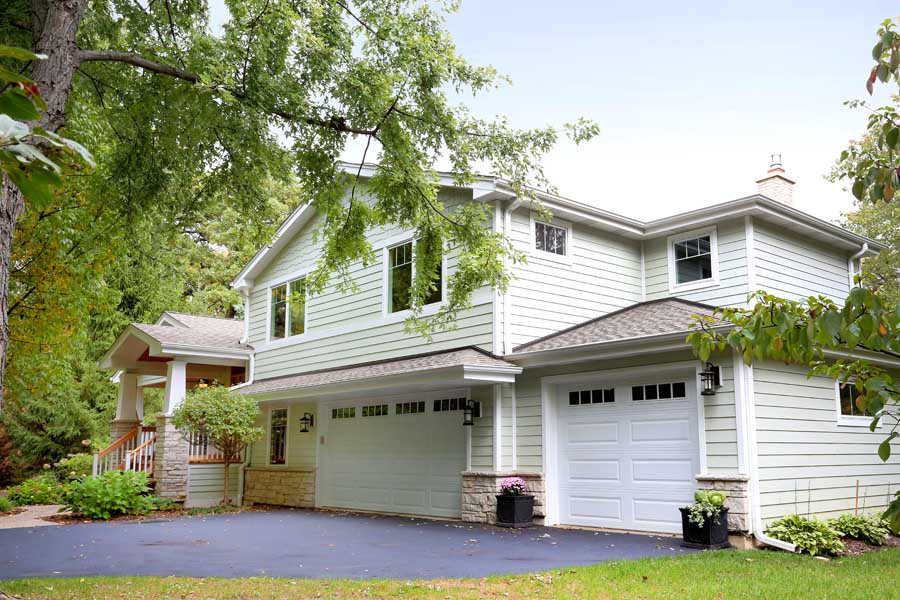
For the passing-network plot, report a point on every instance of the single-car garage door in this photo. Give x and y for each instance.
(399, 456)
(627, 453)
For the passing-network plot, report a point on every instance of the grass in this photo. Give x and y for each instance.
(750, 574)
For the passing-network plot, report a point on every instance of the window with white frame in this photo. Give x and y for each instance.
(848, 408)
(278, 421)
(551, 238)
(288, 309)
(693, 259)
(400, 279)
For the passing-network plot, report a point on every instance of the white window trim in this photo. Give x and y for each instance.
(402, 315)
(714, 258)
(286, 280)
(849, 420)
(542, 254)
(287, 438)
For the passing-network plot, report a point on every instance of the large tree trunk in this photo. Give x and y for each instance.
(54, 28)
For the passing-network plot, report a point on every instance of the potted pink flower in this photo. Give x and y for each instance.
(515, 506)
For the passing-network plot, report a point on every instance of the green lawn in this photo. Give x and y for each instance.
(751, 574)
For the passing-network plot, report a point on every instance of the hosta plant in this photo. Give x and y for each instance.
(812, 536)
(113, 493)
(870, 529)
(40, 489)
(707, 506)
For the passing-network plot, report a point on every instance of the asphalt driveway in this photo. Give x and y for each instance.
(313, 544)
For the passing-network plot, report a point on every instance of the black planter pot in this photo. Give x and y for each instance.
(712, 535)
(515, 511)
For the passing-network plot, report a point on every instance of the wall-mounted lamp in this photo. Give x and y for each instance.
(709, 380)
(470, 412)
(202, 383)
(307, 421)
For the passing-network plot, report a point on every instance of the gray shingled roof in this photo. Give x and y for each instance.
(657, 317)
(201, 332)
(411, 364)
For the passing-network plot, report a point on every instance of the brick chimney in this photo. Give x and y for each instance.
(775, 185)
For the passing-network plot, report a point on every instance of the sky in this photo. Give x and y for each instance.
(691, 97)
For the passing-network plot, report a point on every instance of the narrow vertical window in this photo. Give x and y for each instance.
(279, 312)
(399, 277)
(278, 436)
(297, 305)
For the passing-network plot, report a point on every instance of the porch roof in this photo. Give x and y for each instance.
(469, 363)
(662, 317)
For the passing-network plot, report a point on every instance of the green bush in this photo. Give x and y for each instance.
(809, 535)
(74, 466)
(870, 529)
(160, 503)
(40, 489)
(113, 493)
(6, 505)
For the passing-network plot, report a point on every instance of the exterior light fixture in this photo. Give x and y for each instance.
(468, 413)
(202, 384)
(709, 380)
(306, 421)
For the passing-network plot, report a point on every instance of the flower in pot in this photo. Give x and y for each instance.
(515, 507)
(704, 524)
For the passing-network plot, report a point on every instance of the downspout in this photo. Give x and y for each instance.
(851, 268)
(752, 460)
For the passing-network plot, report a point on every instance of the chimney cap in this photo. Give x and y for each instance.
(775, 162)
(776, 169)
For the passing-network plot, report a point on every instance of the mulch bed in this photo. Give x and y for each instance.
(856, 547)
(158, 515)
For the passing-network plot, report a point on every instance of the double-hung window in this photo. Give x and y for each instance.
(278, 420)
(288, 309)
(693, 259)
(400, 279)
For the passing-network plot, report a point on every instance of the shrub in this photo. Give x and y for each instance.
(707, 506)
(74, 466)
(513, 486)
(809, 535)
(870, 529)
(160, 503)
(40, 489)
(113, 493)
(6, 505)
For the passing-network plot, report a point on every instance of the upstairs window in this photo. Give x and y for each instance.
(278, 420)
(401, 272)
(693, 259)
(288, 310)
(849, 412)
(550, 238)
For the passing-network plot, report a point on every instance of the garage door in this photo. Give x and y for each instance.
(399, 456)
(627, 453)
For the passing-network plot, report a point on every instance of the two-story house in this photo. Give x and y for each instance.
(577, 379)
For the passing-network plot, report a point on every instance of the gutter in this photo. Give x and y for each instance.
(863, 250)
(747, 408)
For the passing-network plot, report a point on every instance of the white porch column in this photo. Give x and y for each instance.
(176, 386)
(126, 408)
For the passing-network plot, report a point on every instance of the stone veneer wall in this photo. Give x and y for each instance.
(736, 487)
(119, 427)
(170, 462)
(282, 487)
(480, 488)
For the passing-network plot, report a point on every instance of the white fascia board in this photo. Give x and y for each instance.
(186, 350)
(877, 358)
(491, 374)
(244, 279)
(130, 330)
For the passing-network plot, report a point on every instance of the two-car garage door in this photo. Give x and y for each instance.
(628, 453)
(398, 456)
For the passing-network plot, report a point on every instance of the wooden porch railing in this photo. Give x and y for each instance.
(202, 452)
(141, 458)
(113, 457)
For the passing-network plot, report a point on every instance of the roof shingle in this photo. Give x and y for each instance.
(198, 331)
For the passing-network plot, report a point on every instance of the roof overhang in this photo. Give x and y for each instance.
(132, 344)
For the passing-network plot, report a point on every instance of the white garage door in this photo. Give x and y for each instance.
(627, 453)
(399, 456)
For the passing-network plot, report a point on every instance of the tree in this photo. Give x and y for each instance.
(224, 419)
(826, 337)
(182, 114)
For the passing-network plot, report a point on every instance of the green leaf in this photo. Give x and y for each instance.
(877, 51)
(893, 137)
(882, 72)
(18, 106)
(887, 40)
(858, 188)
(20, 53)
(884, 450)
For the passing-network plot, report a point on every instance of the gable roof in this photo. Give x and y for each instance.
(488, 188)
(642, 320)
(469, 357)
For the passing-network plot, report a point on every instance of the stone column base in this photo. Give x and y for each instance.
(480, 488)
(119, 427)
(736, 487)
(282, 487)
(170, 463)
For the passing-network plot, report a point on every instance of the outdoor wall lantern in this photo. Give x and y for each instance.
(471, 410)
(709, 380)
(202, 384)
(306, 421)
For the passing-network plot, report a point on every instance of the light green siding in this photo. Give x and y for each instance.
(301, 447)
(796, 267)
(807, 462)
(347, 327)
(601, 274)
(206, 484)
(732, 287)
(483, 430)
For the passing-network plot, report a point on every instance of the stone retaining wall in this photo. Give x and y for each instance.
(480, 488)
(736, 487)
(282, 487)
